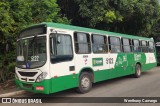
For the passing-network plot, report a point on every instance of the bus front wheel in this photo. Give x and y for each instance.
(85, 83)
(137, 71)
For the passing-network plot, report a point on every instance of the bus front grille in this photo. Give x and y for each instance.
(27, 74)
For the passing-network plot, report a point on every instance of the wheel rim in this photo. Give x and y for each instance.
(85, 82)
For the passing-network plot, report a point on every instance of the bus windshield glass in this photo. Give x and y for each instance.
(31, 52)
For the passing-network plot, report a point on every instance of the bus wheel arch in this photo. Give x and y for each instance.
(86, 79)
(88, 70)
(138, 70)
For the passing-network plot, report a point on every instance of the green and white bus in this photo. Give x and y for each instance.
(52, 57)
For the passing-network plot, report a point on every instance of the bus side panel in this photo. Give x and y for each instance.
(142, 61)
(64, 82)
(150, 61)
(130, 64)
(100, 65)
(122, 65)
(63, 75)
(102, 75)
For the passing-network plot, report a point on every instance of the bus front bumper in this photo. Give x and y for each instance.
(35, 87)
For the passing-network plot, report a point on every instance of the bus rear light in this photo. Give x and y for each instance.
(40, 88)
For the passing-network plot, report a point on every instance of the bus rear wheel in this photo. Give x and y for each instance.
(137, 71)
(85, 83)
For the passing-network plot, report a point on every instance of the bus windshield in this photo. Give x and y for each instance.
(31, 52)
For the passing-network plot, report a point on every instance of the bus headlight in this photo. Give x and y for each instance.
(41, 77)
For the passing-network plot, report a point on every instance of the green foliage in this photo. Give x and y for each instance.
(124, 16)
(156, 30)
(98, 11)
(7, 72)
(16, 15)
(6, 19)
(142, 15)
(47, 11)
(110, 16)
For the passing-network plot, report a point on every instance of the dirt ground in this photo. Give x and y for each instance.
(10, 84)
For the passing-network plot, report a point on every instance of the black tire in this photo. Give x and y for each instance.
(85, 83)
(137, 71)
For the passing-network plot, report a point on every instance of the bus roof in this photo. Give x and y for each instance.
(90, 30)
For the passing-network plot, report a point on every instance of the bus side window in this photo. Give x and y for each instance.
(136, 46)
(64, 45)
(82, 43)
(60, 48)
(99, 43)
(151, 47)
(144, 46)
(114, 44)
(126, 45)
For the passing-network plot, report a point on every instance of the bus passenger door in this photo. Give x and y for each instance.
(62, 66)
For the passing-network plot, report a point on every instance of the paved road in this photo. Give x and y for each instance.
(148, 85)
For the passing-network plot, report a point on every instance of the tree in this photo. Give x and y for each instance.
(47, 10)
(16, 15)
(140, 17)
(125, 16)
(156, 30)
